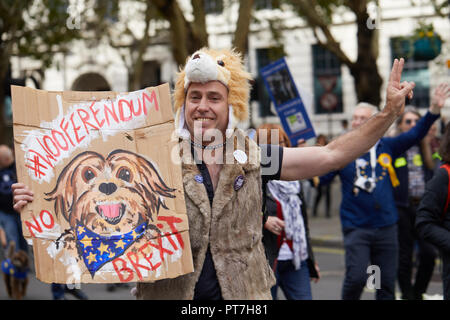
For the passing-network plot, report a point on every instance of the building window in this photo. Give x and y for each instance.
(151, 75)
(327, 81)
(413, 70)
(266, 4)
(213, 6)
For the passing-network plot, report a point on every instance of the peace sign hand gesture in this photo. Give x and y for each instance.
(396, 92)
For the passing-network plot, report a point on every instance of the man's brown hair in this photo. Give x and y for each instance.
(282, 136)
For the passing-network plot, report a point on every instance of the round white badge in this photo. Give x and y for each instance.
(240, 156)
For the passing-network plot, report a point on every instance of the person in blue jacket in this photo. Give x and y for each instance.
(368, 212)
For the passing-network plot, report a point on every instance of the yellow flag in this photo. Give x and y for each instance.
(385, 161)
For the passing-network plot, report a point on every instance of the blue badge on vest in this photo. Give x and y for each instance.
(239, 182)
(199, 178)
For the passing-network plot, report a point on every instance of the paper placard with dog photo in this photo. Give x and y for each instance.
(108, 193)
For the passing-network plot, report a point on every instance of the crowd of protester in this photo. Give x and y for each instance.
(394, 200)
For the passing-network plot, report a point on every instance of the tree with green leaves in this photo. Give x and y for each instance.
(32, 28)
(318, 15)
(186, 31)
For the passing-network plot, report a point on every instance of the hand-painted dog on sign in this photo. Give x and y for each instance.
(109, 203)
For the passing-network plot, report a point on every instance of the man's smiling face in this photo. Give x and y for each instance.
(206, 107)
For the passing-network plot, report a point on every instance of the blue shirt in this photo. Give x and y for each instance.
(362, 209)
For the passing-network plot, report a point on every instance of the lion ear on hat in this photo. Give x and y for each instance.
(237, 80)
(238, 85)
(179, 94)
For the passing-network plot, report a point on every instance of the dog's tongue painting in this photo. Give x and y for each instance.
(111, 211)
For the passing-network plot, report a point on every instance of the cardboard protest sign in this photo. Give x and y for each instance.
(108, 199)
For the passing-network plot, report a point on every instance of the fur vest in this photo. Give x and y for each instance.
(232, 227)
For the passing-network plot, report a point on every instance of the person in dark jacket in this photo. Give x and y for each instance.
(433, 218)
(413, 168)
(9, 219)
(286, 234)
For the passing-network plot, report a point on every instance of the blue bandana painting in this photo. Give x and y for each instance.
(98, 250)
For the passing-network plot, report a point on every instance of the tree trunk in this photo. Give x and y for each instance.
(5, 135)
(2, 112)
(199, 28)
(240, 41)
(368, 81)
(184, 39)
(137, 62)
(6, 132)
(172, 13)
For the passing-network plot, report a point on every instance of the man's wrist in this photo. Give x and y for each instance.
(435, 110)
(265, 218)
(388, 113)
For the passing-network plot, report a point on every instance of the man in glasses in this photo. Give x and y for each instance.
(368, 212)
(414, 168)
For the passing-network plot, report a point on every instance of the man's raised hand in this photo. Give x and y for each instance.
(441, 93)
(397, 91)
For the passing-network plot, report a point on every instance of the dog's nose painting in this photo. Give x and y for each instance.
(109, 202)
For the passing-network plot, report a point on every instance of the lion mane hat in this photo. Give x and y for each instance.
(207, 65)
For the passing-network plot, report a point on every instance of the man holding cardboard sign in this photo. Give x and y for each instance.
(223, 171)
